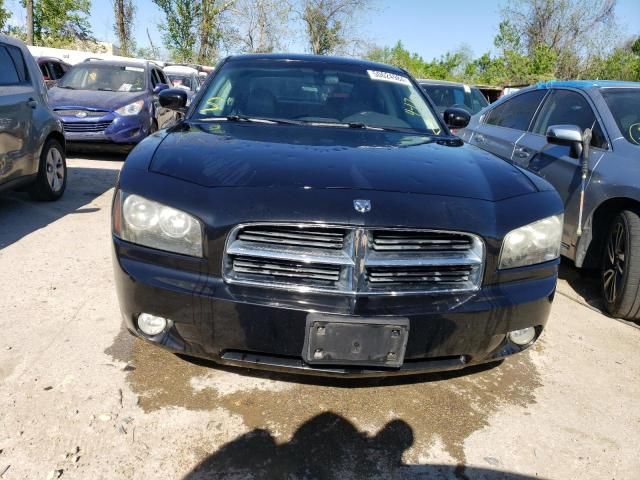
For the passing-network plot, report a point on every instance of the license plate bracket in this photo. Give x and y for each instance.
(355, 341)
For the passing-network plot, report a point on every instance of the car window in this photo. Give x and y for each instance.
(155, 79)
(57, 70)
(318, 93)
(564, 107)
(517, 111)
(624, 104)
(8, 73)
(104, 77)
(461, 96)
(44, 69)
(162, 77)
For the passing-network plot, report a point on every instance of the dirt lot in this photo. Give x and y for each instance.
(83, 400)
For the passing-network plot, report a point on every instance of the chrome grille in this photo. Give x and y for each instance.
(419, 241)
(86, 113)
(85, 126)
(353, 260)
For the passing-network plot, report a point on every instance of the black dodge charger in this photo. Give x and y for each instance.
(314, 214)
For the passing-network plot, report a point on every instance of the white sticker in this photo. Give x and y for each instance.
(125, 87)
(134, 69)
(388, 77)
(467, 88)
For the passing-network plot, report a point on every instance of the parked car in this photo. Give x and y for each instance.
(111, 101)
(184, 77)
(314, 214)
(32, 144)
(451, 94)
(521, 129)
(53, 69)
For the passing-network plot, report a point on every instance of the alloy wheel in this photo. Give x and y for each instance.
(614, 265)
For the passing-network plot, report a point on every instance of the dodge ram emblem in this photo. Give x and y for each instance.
(362, 206)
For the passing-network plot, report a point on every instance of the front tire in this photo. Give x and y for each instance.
(51, 181)
(621, 266)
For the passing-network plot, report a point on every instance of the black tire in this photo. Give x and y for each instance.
(52, 173)
(621, 266)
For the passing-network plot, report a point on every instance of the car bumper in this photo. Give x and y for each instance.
(117, 129)
(241, 327)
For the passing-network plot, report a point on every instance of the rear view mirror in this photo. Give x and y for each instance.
(456, 117)
(174, 99)
(569, 135)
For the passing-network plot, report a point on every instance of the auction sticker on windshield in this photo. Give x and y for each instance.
(388, 77)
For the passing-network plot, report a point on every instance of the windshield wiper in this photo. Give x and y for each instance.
(273, 121)
(105, 89)
(65, 86)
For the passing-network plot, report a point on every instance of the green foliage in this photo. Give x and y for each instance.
(61, 23)
(4, 15)
(180, 35)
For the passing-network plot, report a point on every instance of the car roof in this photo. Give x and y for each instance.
(12, 41)
(48, 59)
(115, 63)
(428, 81)
(586, 84)
(315, 58)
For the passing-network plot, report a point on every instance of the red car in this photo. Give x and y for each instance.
(53, 69)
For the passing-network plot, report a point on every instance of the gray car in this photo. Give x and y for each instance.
(542, 129)
(32, 144)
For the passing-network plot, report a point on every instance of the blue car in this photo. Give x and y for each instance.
(111, 101)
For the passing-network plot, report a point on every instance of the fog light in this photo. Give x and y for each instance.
(523, 336)
(150, 324)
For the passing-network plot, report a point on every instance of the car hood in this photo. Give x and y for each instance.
(92, 99)
(223, 154)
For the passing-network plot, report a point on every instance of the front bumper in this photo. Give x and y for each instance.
(112, 128)
(247, 327)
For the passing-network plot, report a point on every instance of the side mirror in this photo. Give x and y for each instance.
(569, 135)
(174, 99)
(456, 117)
(160, 87)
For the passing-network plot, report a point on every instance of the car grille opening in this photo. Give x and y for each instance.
(390, 241)
(84, 113)
(85, 126)
(353, 260)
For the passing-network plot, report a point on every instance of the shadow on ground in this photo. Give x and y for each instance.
(585, 283)
(20, 216)
(328, 446)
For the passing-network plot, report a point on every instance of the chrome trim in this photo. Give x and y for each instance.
(354, 259)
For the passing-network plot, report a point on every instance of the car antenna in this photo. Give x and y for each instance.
(584, 164)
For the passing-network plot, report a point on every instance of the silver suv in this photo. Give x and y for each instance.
(581, 136)
(32, 145)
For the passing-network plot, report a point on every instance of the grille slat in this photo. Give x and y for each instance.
(353, 260)
(85, 126)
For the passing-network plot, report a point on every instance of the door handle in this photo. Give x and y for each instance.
(522, 153)
(32, 103)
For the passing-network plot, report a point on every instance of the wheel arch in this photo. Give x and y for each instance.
(591, 244)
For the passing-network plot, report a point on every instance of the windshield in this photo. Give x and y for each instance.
(113, 78)
(178, 80)
(624, 104)
(460, 96)
(317, 93)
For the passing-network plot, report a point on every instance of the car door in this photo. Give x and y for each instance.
(500, 127)
(554, 162)
(17, 103)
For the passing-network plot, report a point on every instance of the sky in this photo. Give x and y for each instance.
(427, 27)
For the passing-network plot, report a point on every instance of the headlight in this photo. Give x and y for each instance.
(131, 109)
(534, 243)
(149, 223)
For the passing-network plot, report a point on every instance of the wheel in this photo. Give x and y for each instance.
(621, 266)
(52, 173)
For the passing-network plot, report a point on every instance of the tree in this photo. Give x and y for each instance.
(260, 25)
(193, 28)
(59, 23)
(572, 31)
(29, 7)
(124, 12)
(4, 15)
(327, 22)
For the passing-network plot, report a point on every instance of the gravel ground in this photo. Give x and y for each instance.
(81, 399)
